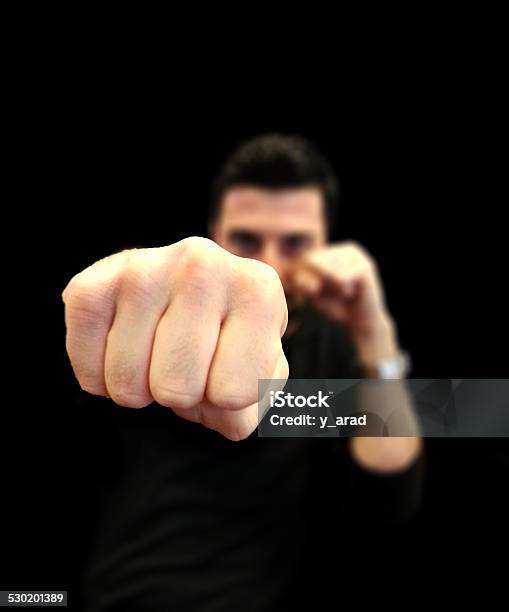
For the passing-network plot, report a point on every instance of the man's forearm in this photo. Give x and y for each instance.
(388, 454)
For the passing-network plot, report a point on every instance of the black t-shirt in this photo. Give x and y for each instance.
(196, 522)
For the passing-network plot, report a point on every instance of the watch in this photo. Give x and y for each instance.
(390, 369)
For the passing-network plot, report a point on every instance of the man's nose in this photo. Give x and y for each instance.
(270, 256)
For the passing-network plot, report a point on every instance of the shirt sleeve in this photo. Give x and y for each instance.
(393, 498)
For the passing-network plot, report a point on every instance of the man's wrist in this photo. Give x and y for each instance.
(377, 345)
(394, 368)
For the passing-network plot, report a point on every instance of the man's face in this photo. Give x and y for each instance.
(276, 227)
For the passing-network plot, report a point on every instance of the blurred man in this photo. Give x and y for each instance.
(198, 522)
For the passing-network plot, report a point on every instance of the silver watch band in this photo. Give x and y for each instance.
(390, 369)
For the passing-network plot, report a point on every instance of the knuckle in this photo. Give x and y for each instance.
(129, 400)
(359, 250)
(199, 243)
(200, 270)
(259, 285)
(80, 291)
(94, 289)
(370, 262)
(354, 245)
(222, 396)
(198, 247)
(237, 434)
(90, 384)
(373, 267)
(261, 280)
(172, 397)
(90, 378)
(124, 384)
(229, 426)
(200, 255)
(85, 301)
(140, 277)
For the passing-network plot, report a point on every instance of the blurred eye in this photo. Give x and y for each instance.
(294, 244)
(245, 243)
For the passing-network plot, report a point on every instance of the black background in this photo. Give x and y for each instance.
(115, 160)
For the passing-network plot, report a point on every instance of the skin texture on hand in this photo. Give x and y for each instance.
(190, 326)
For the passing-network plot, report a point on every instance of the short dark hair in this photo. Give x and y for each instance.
(277, 161)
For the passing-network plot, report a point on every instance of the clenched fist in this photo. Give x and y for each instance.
(189, 325)
(343, 282)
